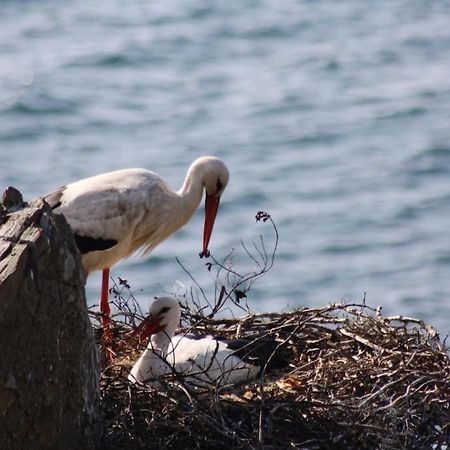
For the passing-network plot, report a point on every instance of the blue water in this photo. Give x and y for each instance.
(332, 116)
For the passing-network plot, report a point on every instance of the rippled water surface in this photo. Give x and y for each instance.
(332, 116)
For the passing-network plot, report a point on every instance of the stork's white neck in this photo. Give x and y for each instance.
(190, 193)
(161, 340)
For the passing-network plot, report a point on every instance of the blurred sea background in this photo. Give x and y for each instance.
(332, 116)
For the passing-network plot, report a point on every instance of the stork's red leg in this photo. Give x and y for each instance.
(106, 314)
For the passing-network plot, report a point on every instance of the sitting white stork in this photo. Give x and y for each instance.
(200, 360)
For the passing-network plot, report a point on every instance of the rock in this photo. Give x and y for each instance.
(12, 199)
(49, 392)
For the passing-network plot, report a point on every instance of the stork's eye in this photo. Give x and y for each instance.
(219, 185)
(164, 310)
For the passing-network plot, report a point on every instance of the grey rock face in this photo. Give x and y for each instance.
(49, 393)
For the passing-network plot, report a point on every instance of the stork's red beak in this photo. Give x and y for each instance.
(150, 325)
(211, 207)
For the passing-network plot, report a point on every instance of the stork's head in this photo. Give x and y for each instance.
(215, 180)
(216, 175)
(165, 315)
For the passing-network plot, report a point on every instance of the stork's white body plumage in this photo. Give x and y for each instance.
(117, 206)
(134, 207)
(200, 361)
(204, 360)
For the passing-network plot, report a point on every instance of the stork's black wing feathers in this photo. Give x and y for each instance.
(260, 351)
(88, 244)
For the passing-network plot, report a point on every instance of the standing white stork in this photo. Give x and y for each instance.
(200, 359)
(116, 213)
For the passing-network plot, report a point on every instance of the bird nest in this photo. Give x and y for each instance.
(355, 379)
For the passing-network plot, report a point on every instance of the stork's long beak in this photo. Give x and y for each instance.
(211, 207)
(150, 325)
